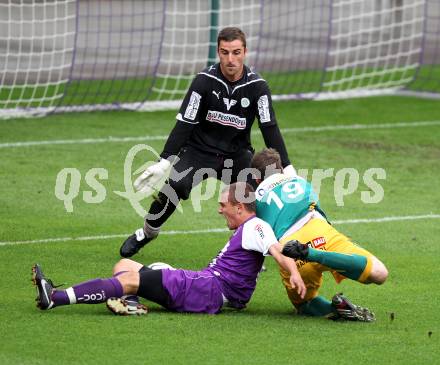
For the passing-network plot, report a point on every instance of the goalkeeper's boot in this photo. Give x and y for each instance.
(136, 241)
(346, 310)
(296, 250)
(126, 307)
(44, 287)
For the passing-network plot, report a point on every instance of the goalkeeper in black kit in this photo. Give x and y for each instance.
(212, 132)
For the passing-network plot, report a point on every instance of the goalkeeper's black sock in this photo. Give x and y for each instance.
(160, 210)
(350, 265)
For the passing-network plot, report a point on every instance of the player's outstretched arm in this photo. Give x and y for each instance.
(289, 265)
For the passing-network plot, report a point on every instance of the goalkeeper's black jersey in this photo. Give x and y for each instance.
(222, 112)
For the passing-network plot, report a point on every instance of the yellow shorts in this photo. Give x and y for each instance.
(322, 236)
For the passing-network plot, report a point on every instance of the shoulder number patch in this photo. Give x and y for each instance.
(263, 109)
(193, 106)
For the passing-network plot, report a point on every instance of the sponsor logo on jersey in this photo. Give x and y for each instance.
(226, 119)
(245, 102)
(269, 185)
(193, 106)
(263, 109)
(216, 93)
(229, 103)
(259, 230)
(260, 193)
(318, 242)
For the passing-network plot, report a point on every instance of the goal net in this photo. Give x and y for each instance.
(67, 55)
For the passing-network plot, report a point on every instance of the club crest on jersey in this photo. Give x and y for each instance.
(229, 103)
(245, 102)
(230, 120)
(318, 242)
(259, 229)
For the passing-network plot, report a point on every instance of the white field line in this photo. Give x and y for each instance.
(217, 230)
(323, 128)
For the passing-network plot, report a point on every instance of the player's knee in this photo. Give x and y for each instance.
(129, 281)
(124, 265)
(379, 272)
(381, 275)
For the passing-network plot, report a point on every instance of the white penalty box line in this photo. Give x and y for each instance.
(322, 128)
(216, 230)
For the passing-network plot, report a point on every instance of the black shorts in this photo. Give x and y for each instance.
(194, 166)
(150, 286)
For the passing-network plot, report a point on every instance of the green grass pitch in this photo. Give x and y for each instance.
(268, 332)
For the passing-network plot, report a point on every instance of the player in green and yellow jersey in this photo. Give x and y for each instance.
(289, 204)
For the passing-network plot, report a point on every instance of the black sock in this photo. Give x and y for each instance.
(160, 210)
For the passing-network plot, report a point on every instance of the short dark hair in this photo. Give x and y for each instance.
(268, 162)
(230, 34)
(241, 192)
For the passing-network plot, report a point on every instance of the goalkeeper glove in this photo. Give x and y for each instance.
(151, 176)
(289, 170)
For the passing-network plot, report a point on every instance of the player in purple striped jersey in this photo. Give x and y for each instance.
(229, 280)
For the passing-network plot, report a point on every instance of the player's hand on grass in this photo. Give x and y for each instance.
(146, 182)
(297, 283)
